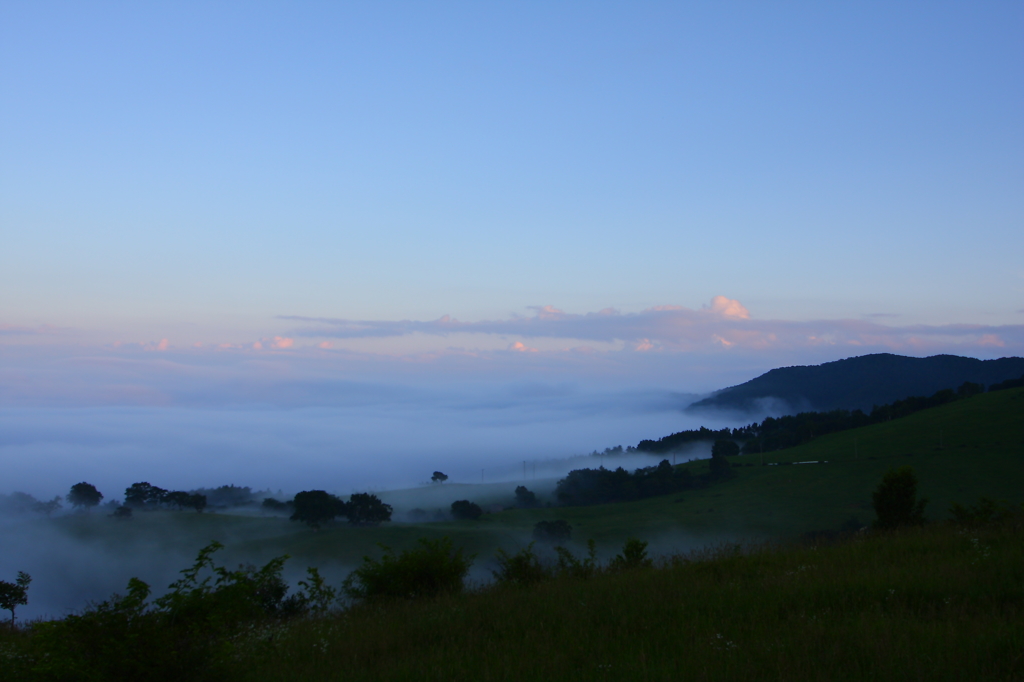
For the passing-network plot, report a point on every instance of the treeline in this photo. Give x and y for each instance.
(678, 440)
(600, 486)
(778, 433)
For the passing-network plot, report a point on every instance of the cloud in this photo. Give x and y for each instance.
(521, 347)
(722, 324)
(728, 307)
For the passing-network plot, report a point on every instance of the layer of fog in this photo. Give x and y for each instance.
(383, 445)
(210, 426)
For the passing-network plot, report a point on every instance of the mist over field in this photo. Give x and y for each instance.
(343, 449)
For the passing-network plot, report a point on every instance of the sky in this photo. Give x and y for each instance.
(308, 215)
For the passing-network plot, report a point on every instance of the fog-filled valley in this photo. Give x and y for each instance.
(487, 443)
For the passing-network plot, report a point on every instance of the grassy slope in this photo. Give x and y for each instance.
(924, 604)
(982, 454)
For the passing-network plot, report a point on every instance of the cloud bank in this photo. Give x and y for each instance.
(723, 323)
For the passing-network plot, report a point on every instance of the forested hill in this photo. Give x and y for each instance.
(862, 382)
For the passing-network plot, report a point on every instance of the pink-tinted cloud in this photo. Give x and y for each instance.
(722, 324)
(728, 307)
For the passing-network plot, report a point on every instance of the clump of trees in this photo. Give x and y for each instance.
(464, 510)
(525, 498)
(317, 507)
(145, 496)
(601, 486)
(23, 503)
(438, 477)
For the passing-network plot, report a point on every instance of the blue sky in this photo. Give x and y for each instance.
(191, 171)
(197, 197)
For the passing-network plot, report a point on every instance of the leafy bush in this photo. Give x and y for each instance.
(464, 509)
(189, 633)
(552, 531)
(432, 568)
(634, 555)
(895, 500)
(572, 567)
(987, 511)
(520, 569)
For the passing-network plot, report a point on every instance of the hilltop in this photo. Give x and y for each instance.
(860, 382)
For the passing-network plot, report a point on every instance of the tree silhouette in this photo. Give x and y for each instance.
(895, 500)
(464, 509)
(84, 495)
(438, 477)
(13, 595)
(365, 509)
(316, 507)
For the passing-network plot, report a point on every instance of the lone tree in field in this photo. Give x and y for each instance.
(366, 509)
(13, 595)
(315, 507)
(84, 495)
(895, 500)
(438, 477)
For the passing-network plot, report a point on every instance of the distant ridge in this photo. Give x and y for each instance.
(861, 382)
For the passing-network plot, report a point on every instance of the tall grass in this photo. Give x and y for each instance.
(937, 603)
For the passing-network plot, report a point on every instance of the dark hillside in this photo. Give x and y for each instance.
(862, 382)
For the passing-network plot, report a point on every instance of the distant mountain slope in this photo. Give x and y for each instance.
(861, 382)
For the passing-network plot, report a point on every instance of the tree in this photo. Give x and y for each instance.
(48, 507)
(122, 512)
(142, 495)
(197, 502)
(438, 477)
(276, 506)
(84, 495)
(315, 507)
(366, 509)
(13, 595)
(895, 500)
(464, 509)
(179, 499)
(525, 499)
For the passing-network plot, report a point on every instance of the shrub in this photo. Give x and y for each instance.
(430, 569)
(520, 569)
(552, 531)
(464, 509)
(987, 511)
(572, 567)
(895, 500)
(634, 555)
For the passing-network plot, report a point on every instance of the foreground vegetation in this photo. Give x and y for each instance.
(940, 602)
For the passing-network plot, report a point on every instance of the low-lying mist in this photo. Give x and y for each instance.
(487, 440)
